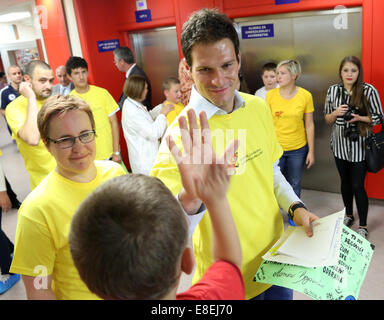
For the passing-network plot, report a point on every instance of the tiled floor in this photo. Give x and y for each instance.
(321, 203)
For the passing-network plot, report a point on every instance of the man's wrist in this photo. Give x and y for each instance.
(293, 207)
(116, 153)
(190, 205)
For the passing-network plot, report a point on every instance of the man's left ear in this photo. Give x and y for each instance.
(27, 78)
(187, 260)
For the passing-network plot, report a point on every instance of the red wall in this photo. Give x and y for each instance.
(103, 20)
(55, 33)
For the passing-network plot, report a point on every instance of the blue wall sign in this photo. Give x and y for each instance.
(108, 45)
(286, 1)
(143, 15)
(257, 31)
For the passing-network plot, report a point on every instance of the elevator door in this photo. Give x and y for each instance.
(156, 51)
(319, 40)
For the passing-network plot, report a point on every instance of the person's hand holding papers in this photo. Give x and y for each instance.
(302, 217)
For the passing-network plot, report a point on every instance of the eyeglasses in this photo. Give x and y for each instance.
(68, 142)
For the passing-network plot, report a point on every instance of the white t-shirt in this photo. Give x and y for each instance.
(262, 92)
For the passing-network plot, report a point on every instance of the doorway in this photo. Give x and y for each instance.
(157, 53)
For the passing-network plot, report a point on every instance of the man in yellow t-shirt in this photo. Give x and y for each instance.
(172, 92)
(21, 116)
(257, 187)
(103, 106)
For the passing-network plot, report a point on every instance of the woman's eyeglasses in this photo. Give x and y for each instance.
(68, 142)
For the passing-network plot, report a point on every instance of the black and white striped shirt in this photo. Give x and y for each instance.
(343, 147)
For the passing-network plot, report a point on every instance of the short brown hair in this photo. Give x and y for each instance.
(134, 86)
(167, 83)
(31, 66)
(207, 26)
(59, 104)
(270, 66)
(127, 238)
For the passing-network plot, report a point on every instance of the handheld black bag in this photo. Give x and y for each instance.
(374, 150)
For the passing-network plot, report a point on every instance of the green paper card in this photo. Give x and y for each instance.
(340, 282)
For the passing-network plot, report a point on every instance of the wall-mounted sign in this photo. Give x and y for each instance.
(143, 15)
(257, 31)
(141, 5)
(108, 45)
(286, 1)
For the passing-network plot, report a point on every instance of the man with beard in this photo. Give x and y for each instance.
(21, 115)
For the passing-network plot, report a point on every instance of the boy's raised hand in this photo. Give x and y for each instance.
(203, 175)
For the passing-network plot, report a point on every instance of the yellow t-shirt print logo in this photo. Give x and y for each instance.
(278, 114)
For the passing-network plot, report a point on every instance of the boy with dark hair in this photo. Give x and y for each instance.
(172, 93)
(103, 106)
(268, 75)
(129, 238)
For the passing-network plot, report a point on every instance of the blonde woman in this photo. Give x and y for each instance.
(292, 111)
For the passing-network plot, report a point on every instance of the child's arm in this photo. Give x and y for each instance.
(205, 177)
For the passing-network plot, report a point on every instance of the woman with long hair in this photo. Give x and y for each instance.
(352, 107)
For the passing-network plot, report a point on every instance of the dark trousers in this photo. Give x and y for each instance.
(6, 246)
(352, 175)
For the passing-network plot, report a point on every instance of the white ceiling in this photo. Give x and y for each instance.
(7, 6)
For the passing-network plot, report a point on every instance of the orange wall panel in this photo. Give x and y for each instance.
(375, 182)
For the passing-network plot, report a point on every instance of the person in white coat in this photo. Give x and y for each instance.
(142, 134)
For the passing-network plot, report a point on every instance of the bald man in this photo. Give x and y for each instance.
(11, 92)
(65, 86)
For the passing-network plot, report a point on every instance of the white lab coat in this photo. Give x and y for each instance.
(142, 135)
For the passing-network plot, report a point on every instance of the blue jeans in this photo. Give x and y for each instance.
(275, 293)
(291, 166)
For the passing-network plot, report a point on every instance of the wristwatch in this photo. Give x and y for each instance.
(117, 153)
(292, 209)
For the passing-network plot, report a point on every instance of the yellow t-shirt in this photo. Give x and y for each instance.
(41, 242)
(251, 194)
(38, 161)
(103, 106)
(288, 117)
(178, 107)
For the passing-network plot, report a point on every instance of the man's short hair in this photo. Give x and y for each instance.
(74, 63)
(59, 67)
(167, 83)
(270, 66)
(134, 86)
(31, 66)
(14, 66)
(127, 238)
(207, 26)
(59, 104)
(124, 53)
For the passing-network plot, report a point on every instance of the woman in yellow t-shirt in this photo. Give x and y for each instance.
(292, 111)
(42, 255)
